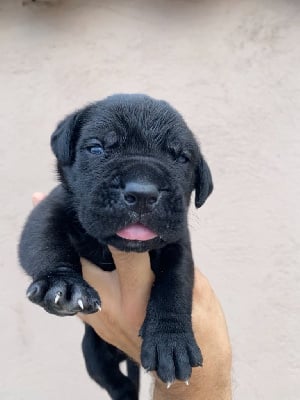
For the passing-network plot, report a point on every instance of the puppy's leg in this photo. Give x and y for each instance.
(102, 362)
(169, 346)
(47, 254)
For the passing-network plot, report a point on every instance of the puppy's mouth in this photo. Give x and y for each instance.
(136, 232)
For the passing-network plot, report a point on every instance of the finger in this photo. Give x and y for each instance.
(136, 279)
(37, 197)
(134, 272)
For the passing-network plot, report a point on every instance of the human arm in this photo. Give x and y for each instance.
(125, 293)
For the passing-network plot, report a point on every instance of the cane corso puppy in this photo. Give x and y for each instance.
(127, 165)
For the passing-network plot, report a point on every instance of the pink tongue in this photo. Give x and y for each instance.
(136, 232)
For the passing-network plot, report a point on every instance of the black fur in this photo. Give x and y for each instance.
(141, 143)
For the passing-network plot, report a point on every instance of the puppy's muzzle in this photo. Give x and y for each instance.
(140, 197)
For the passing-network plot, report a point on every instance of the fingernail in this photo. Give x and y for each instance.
(37, 197)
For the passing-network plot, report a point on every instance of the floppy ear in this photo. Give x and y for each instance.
(64, 138)
(203, 183)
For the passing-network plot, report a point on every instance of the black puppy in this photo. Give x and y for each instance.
(127, 165)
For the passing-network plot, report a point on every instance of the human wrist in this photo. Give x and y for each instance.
(202, 386)
(178, 389)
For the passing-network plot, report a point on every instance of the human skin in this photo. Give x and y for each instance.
(124, 295)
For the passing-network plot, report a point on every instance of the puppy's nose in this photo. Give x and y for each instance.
(139, 196)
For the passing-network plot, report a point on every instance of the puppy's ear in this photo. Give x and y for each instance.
(203, 183)
(64, 138)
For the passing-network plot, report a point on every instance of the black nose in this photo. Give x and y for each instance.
(139, 196)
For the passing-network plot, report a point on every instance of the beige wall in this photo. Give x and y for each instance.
(232, 69)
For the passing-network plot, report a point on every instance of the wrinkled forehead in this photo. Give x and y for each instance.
(144, 123)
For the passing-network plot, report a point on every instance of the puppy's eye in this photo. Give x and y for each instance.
(183, 158)
(96, 149)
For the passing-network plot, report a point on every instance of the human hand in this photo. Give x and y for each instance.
(124, 294)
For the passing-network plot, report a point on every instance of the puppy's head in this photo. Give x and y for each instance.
(131, 163)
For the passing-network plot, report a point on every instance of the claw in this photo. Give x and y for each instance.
(187, 382)
(99, 307)
(57, 297)
(169, 385)
(31, 291)
(80, 303)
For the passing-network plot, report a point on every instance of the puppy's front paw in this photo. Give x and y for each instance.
(64, 292)
(172, 355)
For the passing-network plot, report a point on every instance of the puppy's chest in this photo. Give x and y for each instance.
(89, 248)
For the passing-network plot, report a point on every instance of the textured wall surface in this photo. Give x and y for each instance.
(233, 69)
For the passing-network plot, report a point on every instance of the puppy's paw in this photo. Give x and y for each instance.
(64, 292)
(171, 355)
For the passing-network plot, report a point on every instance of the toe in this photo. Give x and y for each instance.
(149, 356)
(182, 364)
(166, 368)
(195, 356)
(37, 290)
